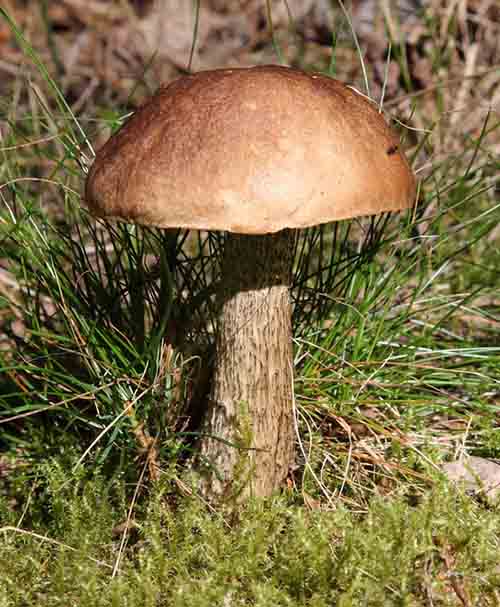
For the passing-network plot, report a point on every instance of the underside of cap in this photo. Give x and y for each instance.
(251, 150)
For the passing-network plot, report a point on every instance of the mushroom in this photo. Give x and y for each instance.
(257, 153)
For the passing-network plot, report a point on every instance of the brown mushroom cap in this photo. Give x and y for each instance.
(251, 151)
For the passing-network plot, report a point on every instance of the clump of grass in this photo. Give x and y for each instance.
(406, 373)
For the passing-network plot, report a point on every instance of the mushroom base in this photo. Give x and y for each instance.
(248, 444)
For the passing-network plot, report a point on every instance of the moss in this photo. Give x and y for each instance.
(273, 552)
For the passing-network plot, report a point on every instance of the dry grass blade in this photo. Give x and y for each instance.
(49, 540)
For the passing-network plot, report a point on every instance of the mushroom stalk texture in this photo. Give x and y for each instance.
(248, 443)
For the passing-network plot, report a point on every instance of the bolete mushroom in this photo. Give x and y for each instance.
(258, 153)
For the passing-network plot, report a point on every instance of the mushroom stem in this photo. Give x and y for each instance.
(248, 443)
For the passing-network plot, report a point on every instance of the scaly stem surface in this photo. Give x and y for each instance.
(249, 436)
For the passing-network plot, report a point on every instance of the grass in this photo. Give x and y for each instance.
(397, 370)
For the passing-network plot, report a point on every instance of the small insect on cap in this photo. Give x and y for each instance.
(253, 151)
